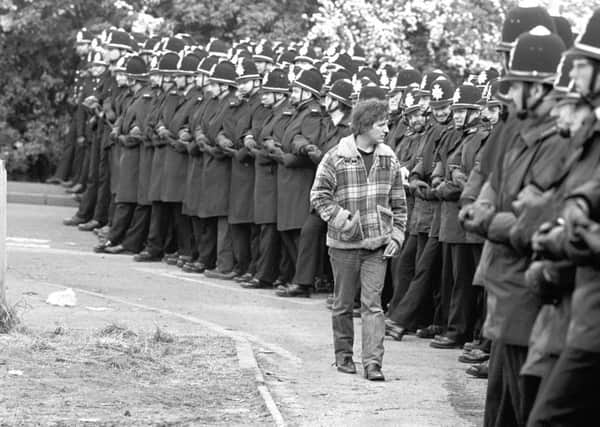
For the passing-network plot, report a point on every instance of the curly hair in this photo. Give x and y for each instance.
(366, 113)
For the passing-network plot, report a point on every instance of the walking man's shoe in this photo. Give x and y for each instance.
(347, 366)
(373, 372)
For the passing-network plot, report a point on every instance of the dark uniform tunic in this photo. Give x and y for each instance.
(241, 190)
(129, 162)
(217, 166)
(296, 174)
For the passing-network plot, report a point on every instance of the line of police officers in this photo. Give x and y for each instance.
(205, 158)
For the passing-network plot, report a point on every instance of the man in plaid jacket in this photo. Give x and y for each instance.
(358, 190)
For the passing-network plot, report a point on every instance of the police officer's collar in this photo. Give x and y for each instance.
(538, 130)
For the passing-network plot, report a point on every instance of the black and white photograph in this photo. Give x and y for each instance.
(300, 213)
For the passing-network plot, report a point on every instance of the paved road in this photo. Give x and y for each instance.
(291, 338)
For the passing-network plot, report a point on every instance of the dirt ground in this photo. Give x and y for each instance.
(116, 376)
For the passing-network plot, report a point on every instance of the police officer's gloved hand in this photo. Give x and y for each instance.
(415, 184)
(250, 142)
(478, 217)
(549, 241)
(313, 152)
(591, 236)
(540, 283)
(575, 214)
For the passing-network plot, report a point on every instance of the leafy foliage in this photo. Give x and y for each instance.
(457, 36)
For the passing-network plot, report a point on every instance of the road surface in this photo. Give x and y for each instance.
(290, 338)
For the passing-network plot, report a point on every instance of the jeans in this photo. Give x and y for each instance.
(356, 269)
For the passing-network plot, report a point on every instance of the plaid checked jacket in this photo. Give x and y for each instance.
(375, 204)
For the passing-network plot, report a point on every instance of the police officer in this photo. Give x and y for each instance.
(160, 240)
(568, 396)
(275, 96)
(236, 126)
(420, 306)
(531, 157)
(312, 256)
(130, 137)
(217, 170)
(295, 172)
(206, 105)
(462, 250)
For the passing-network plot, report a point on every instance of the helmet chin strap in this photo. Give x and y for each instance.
(594, 92)
(522, 112)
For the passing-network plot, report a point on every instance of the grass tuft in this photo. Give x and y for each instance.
(8, 318)
(162, 336)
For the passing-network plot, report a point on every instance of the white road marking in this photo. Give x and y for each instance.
(246, 356)
(26, 240)
(191, 277)
(27, 246)
(56, 251)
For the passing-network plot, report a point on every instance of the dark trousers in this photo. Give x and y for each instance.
(570, 396)
(121, 220)
(242, 236)
(80, 177)
(78, 162)
(203, 239)
(103, 196)
(137, 232)
(90, 195)
(219, 243)
(404, 266)
(290, 240)
(418, 305)
(66, 164)
(269, 253)
(464, 258)
(312, 252)
(111, 209)
(168, 231)
(506, 390)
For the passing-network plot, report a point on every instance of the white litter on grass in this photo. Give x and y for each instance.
(64, 298)
(15, 373)
(98, 308)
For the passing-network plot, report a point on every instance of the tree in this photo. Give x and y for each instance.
(457, 36)
(236, 19)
